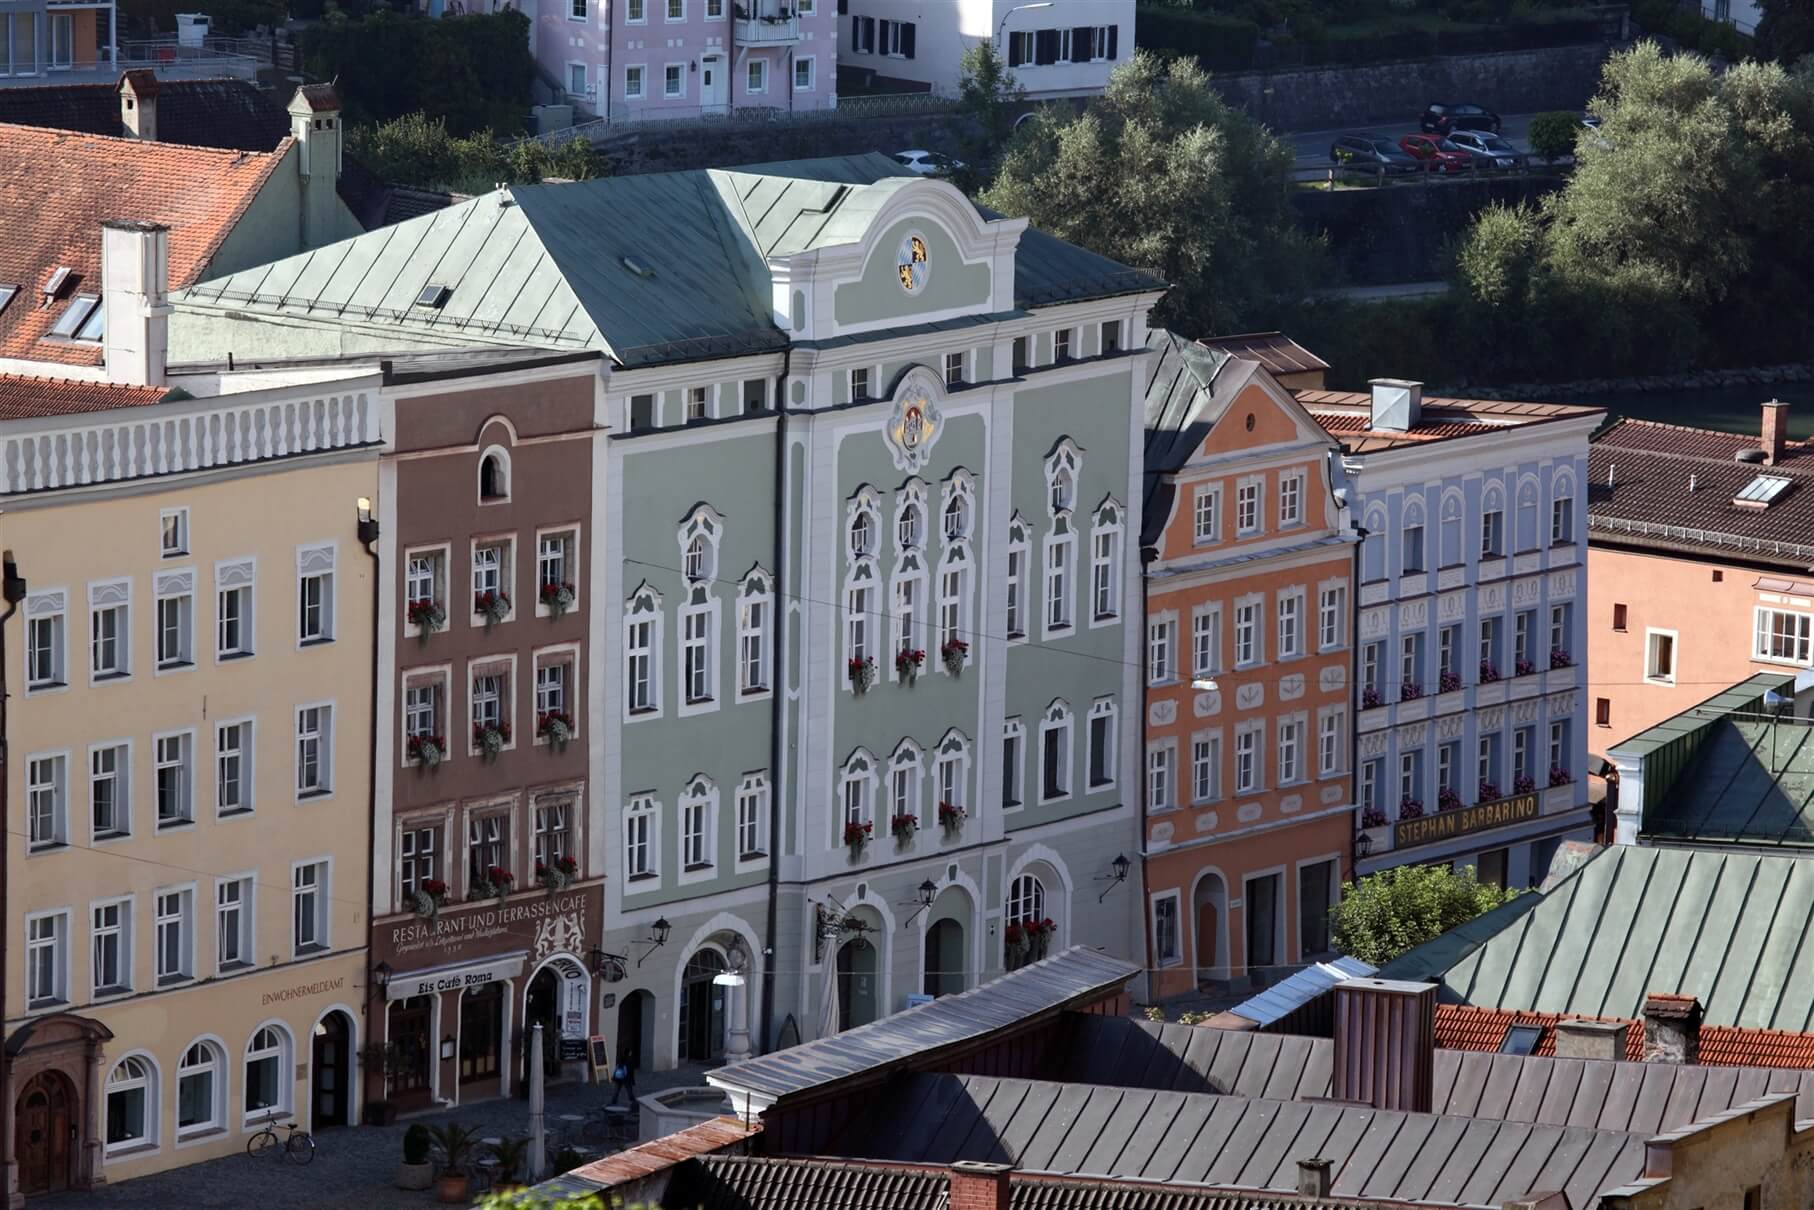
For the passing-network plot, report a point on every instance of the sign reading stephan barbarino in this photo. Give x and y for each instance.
(1446, 825)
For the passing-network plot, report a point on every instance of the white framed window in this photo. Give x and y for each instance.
(234, 627)
(1055, 753)
(132, 1104)
(1061, 346)
(576, 10)
(1410, 664)
(314, 750)
(1013, 763)
(951, 771)
(697, 811)
(492, 580)
(1492, 533)
(309, 892)
(698, 403)
(490, 699)
(233, 748)
(859, 383)
(1332, 617)
(173, 533)
(1410, 775)
(174, 935)
(757, 81)
(1247, 506)
(1331, 740)
(640, 838)
(895, 38)
(752, 816)
(174, 777)
(553, 693)
(642, 654)
(109, 630)
(556, 571)
(698, 652)
(234, 901)
(110, 791)
(1291, 750)
(803, 72)
(1060, 549)
(714, 10)
(423, 704)
(677, 10)
(418, 857)
(1248, 774)
(175, 619)
(267, 1076)
(110, 947)
(315, 621)
(576, 79)
(1206, 514)
(1523, 740)
(634, 80)
(1372, 654)
(1167, 944)
(904, 783)
(1159, 778)
(1161, 643)
(856, 788)
(1026, 900)
(1206, 767)
(46, 653)
(1247, 632)
(1014, 576)
(1291, 499)
(636, 11)
(47, 800)
(1290, 606)
(1206, 640)
(551, 838)
(1104, 743)
(1781, 636)
(424, 587)
(1562, 516)
(201, 1082)
(674, 80)
(1659, 655)
(1105, 557)
(46, 958)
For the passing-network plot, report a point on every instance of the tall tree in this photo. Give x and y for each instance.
(1786, 30)
(989, 94)
(1160, 172)
(1385, 914)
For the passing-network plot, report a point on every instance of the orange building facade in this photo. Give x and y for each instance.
(1250, 600)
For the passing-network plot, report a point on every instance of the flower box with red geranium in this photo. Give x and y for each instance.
(904, 826)
(1447, 800)
(557, 597)
(556, 876)
(426, 615)
(495, 883)
(856, 835)
(1410, 691)
(1448, 682)
(490, 738)
(1373, 817)
(1524, 784)
(1489, 672)
(954, 652)
(908, 661)
(427, 750)
(430, 894)
(1370, 699)
(1488, 791)
(951, 816)
(862, 673)
(555, 726)
(1559, 658)
(1523, 667)
(494, 607)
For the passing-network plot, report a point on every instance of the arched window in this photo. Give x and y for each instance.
(904, 788)
(959, 503)
(267, 1069)
(862, 534)
(952, 771)
(698, 825)
(642, 653)
(695, 559)
(1026, 899)
(1055, 752)
(132, 1103)
(1448, 552)
(1027, 929)
(699, 537)
(1062, 466)
(494, 476)
(907, 527)
(755, 607)
(1105, 560)
(856, 822)
(200, 1083)
(1064, 490)
(1413, 546)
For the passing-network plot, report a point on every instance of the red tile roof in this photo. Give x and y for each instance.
(1466, 1027)
(58, 187)
(1347, 415)
(23, 398)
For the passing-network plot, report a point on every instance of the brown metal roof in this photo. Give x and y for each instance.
(652, 1157)
(1276, 351)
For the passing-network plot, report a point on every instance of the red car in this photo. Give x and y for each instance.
(1435, 153)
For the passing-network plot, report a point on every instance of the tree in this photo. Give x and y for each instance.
(988, 94)
(420, 151)
(1161, 173)
(1385, 914)
(1785, 32)
(1552, 135)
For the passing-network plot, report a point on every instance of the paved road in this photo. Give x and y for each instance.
(1312, 146)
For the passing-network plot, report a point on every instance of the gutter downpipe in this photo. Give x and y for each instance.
(1148, 556)
(368, 540)
(777, 704)
(13, 586)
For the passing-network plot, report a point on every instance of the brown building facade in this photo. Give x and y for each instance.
(485, 880)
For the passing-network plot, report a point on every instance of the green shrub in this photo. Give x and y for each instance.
(475, 72)
(420, 151)
(1385, 914)
(1552, 135)
(415, 1144)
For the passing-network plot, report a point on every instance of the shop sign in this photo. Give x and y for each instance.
(302, 991)
(1447, 825)
(537, 924)
(463, 978)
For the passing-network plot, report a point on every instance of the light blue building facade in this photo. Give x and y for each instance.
(1470, 674)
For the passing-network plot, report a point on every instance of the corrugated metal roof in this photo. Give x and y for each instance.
(1276, 351)
(1728, 928)
(1075, 977)
(1125, 1053)
(1197, 1139)
(1292, 993)
(1426, 963)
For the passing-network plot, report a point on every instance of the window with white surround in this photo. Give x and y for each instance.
(267, 1076)
(175, 778)
(1290, 605)
(576, 79)
(1013, 763)
(1026, 900)
(856, 788)
(576, 10)
(1331, 740)
(642, 654)
(1291, 750)
(1159, 777)
(1247, 632)
(634, 80)
(423, 706)
(553, 692)
(674, 80)
(698, 807)
(1561, 629)
(1492, 534)
(1055, 753)
(492, 581)
(47, 801)
(1412, 543)
(1103, 743)
(951, 771)
(1060, 552)
(1659, 655)
(309, 906)
(490, 699)
(174, 935)
(636, 11)
(46, 657)
(424, 585)
(640, 837)
(1206, 767)
(551, 834)
(1562, 514)
(1167, 943)
(1015, 577)
(1105, 557)
(1410, 664)
(233, 767)
(1332, 617)
(1247, 506)
(904, 782)
(1291, 499)
(677, 10)
(698, 400)
(175, 619)
(696, 653)
(758, 76)
(315, 594)
(752, 816)
(46, 959)
(314, 751)
(1781, 636)
(1410, 775)
(1206, 640)
(173, 532)
(132, 1104)
(109, 629)
(233, 621)
(201, 1086)
(109, 791)
(418, 858)
(233, 903)
(1560, 762)
(110, 947)
(556, 571)
(1161, 641)
(803, 73)
(1206, 514)
(859, 384)
(1488, 757)
(1524, 739)
(1248, 773)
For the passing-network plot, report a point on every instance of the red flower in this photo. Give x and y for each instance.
(434, 887)
(497, 873)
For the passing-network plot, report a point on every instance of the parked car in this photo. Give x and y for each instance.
(1487, 149)
(1435, 153)
(927, 163)
(1371, 152)
(1445, 116)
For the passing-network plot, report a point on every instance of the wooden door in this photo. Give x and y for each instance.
(41, 1134)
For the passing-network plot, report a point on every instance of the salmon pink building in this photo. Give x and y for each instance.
(1249, 573)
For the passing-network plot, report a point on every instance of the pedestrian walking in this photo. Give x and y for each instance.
(623, 1076)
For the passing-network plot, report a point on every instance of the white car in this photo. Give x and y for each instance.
(927, 163)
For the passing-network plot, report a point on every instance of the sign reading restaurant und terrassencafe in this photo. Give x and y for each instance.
(536, 922)
(1446, 825)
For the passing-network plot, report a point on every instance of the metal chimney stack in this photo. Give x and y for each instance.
(1385, 1043)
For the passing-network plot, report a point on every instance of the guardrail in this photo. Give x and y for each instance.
(1376, 175)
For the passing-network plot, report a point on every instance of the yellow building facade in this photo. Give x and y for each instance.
(188, 667)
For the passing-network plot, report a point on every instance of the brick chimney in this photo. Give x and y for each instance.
(1314, 1178)
(978, 1186)
(1672, 1028)
(1578, 1039)
(135, 271)
(1775, 430)
(1397, 404)
(1385, 1043)
(138, 104)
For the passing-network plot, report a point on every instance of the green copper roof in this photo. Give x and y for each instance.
(1728, 928)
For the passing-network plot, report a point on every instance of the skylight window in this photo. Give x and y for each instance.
(95, 326)
(639, 266)
(433, 295)
(75, 317)
(1521, 1040)
(6, 294)
(55, 282)
(1761, 492)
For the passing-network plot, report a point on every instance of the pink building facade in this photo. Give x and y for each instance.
(633, 60)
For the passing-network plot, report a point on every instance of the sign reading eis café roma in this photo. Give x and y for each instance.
(1446, 825)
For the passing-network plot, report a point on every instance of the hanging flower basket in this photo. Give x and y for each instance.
(954, 652)
(1039, 936)
(1373, 817)
(907, 662)
(490, 739)
(951, 817)
(427, 750)
(494, 607)
(1410, 808)
(427, 616)
(555, 726)
(429, 897)
(1559, 658)
(862, 674)
(904, 826)
(557, 876)
(1489, 672)
(856, 835)
(557, 597)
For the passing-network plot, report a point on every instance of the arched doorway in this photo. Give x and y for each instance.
(331, 1072)
(1209, 914)
(542, 1006)
(635, 1030)
(944, 958)
(702, 1009)
(44, 1122)
(857, 991)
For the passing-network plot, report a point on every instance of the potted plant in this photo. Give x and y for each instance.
(1410, 691)
(954, 652)
(494, 607)
(1448, 682)
(555, 726)
(490, 738)
(1487, 792)
(862, 673)
(1039, 934)
(1489, 672)
(381, 1059)
(556, 876)
(1370, 699)
(415, 1172)
(1373, 817)
(904, 826)
(508, 1154)
(431, 893)
(427, 750)
(856, 835)
(1559, 658)
(1447, 800)
(1523, 667)
(457, 1144)
(1558, 776)
(557, 597)
(427, 616)
(1410, 808)
(1524, 783)
(907, 663)
(1014, 947)
(951, 817)
(496, 883)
